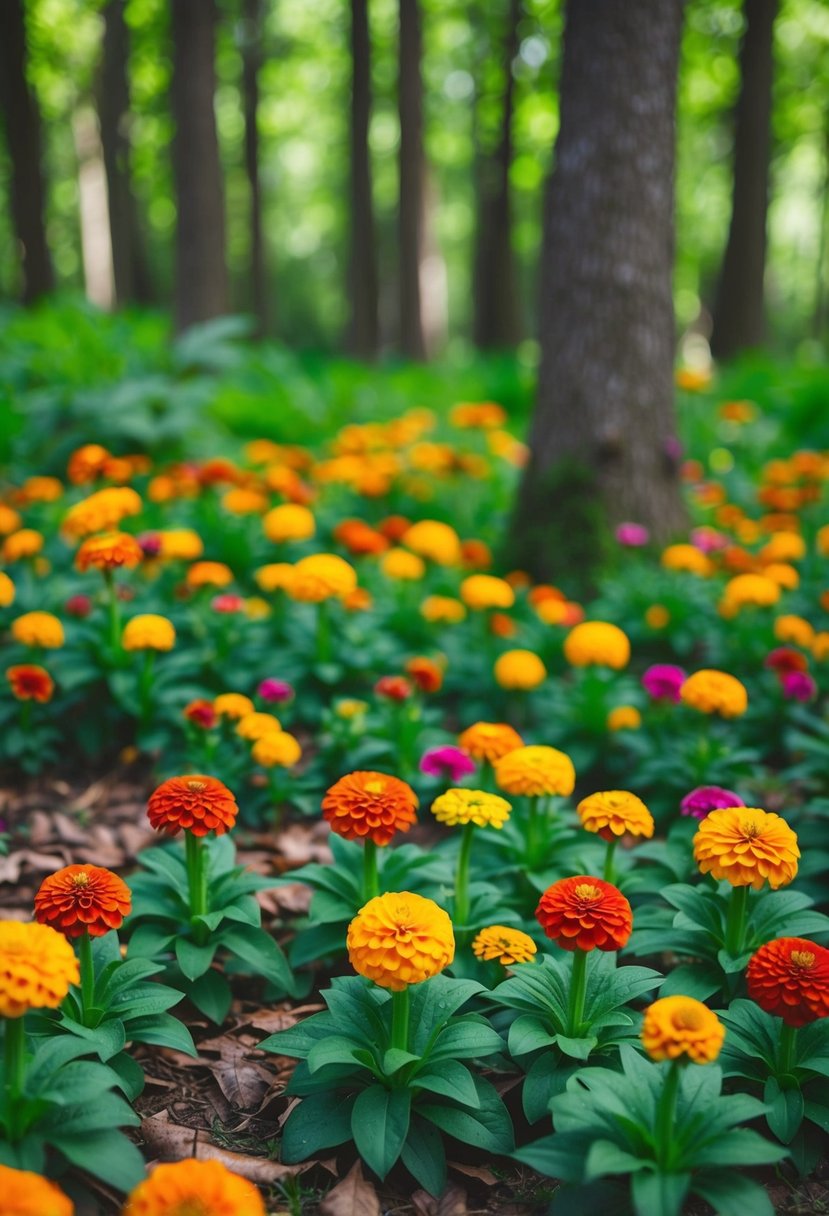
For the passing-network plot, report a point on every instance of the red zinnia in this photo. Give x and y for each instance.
(426, 673)
(789, 977)
(367, 804)
(30, 682)
(83, 899)
(201, 713)
(196, 803)
(395, 688)
(584, 913)
(784, 659)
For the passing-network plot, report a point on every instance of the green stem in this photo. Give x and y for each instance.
(400, 1006)
(114, 613)
(532, 832)
(196, 881)
(666, 1114)
(323, 633)
(87, 975)
(145, 687)
(608, 859)
(578, 991)
(462, 877)
(786, 1052)
(15, 1061)
(735, 925)
(371, 881)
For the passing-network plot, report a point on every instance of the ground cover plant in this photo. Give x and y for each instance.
(439, 877)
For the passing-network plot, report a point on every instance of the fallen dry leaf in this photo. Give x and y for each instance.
(482, 1172)
(451, 1202)
(171, 1142)
(351, 1197)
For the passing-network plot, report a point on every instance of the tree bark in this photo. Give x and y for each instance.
(21, 120)
(602, 443)
(201, 284)
(362, 275)
(739, 318)
(496, 320)
(412, 180)
(251, 63)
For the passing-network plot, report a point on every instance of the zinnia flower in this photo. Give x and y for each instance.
(276, 691)
(201, 712)
(794, 629)
(27, 1194)
(434, 540)
(287, 522)
(624, 717)
(489, 741)
(196, 803)
(7, 590)
(233, 705)
(194, 1188)
(535, 771)
(460, 806)
(451, 763)
(663, 681)
(208, 574)
(633, 536)
(101, 511)
(584, 913)
(505, 945)
(148, 632)
(597, 643)
(321, 576)
(257, 725)
(789, 978)
(425, 672)
(394, 688)
(798, 686)
(37, 967)
(29, 682)
(402, 565)
(25, 543)
(783, 660)
(706, 798)
(613, 813)
(482, 591)
(676, 1026)
(277, 749)
(442, 609)
(83, 899)
(38, 629)
(400, 939)
(369, 804)
(715, 692)
(519, 670)
(687, 558)
(747, 847)
(108, 552)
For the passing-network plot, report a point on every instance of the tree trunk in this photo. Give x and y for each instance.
(602, 443)
(21, 120)
(496, 322)
(251, 63)
(362, 275)
(412, 181)
(739, 321)
(201, 286)
(132, 281)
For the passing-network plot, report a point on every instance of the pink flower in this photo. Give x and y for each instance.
(451, 763)
(150, 543)
(798, 686)
(275, 691)
(706, 798)
(708, 540)
(78, 605)
(663, 681)
(632, 535)
(227, 603)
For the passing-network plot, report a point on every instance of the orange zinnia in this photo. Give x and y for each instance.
(584, 913)
(676, 1026)
(426, 673)
(789, 978)
(196, 803)
(747, 847)
(108, 552)
(194, 1188)
(370, 805)
(83, 899)
(400, 939)
(27, 1194)
(489, 740)
(37, 967)
(30, 682)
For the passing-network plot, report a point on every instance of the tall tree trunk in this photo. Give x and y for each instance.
(362, 274)
(412, 180)
(496, 320)
(251, 63)
(602, 443)
(201, 286)
(739, 319)
(132, 280)
(21, 120)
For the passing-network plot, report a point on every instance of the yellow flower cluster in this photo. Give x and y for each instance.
(461, 806)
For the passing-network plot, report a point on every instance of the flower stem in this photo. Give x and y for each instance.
(371, 881)
(400, 1019)
(87, 975)
(735, 925)
(532, 832)
(462, 877)
(14, 1059)
(196, 880)
(578, 991)
(786, 1053)
(666, 1114)
(145, 687)
(323, 633)
(608, 859)
(114, 612)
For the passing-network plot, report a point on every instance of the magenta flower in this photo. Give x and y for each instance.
(278, 692)
(448, 762)
(798, 686)
(708, 540)
(706, 798)
(663, 681)
(78, 605)
(150, 543)
(632, 535)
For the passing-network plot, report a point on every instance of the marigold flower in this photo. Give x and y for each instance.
(584, 913)
(233, 705)
(783, 547)
(196, 803)
(715, 692)
(434, 540)
(394, 688)
(359, 538)
(505, 945)
(180, 544)
(400, 939)
(789, 978)
(201, 713)
(597, 642)
(242, 500)
(288, 522)
(37, 967)
(27, 1194)
(706, 798)
(749, 591)
(38, 629)
(87, 463)
(489, 741)
(209, 574)
(426, 673)
(320, 577)
(29, 682)
(795, 630)
(442, 609)
(370, 804)
(7, 590)
(10, 520)
(462, 806)
(535, 771)
(403, 566)
(83, 899)
(482, 591)
(20, 545)
(624, 717)
(277, 749)
(687, 558)
(519, 670)
(102, 511)
(662, 681)
(194, 1188)
(257, 725)
(148, 631)
(747, 847)
(676, 1026)
(108, 552)
(614, 813)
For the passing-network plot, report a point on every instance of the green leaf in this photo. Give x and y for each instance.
(739, 1147)
(212, 995)
(424, 1156)
(578, 1049)
(606, 1157)
(322, 1120)
(466, 1039)
(163, 1030)
(259, 949)
(699, 980)
(528, 1033)
(658, 1194)
(450, 1079)
(149, 940)
(379, 1126)
(732, 1194)
(786, 1108)
(194, 960)
(130, 1074)
(488, 1128)
(395, 1059)
(560, 1156)
(334, 1049)
(107, 1155)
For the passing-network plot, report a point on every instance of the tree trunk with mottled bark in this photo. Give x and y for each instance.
(602, 442)
(362, 271)
(252, 17)
(412, 180)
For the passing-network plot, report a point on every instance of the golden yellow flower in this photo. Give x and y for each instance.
(277, 749)
(180, 544)
(256, 608)
(37, 967)
(400, 939)
(233, 705)
(38, 629)
(614, 813)
(676, 1026)
(481, 591)
(10, 520)
(687, 558)
(715, 692)
(276, 576)
(350, 708)
(209, 574)
(108, 552)
(505, 945)
(519, 669)
(599, 643)
(101, 511)
(20, 545)
(320, 577)
(749, 591)
(783, 575)
(747, 847)
(794, 630)
(41, 489)
(820, 646)
(442, 608)
(148, 632)
(474, 414)
(535, 771)
(7, 590)
(462, 806)
(241, 500)
(783, 547)
(435, 541)
(489, 740)
(257, 725)
(624, 717)
(287, 522)
(402, 565)
(822, 540)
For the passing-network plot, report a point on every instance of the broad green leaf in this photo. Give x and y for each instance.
(380, 1124)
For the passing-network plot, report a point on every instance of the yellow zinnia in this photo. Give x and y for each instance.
(277, 749)
(233, 705)
(535, 772)
(597, 643)
(148, 632)
(37, 967)
(38, 629)
(505, 945)
(715, 692)
(461, 806)
(676, 1026)
(481, 591)
(519, 670)
(288, 522)
(747, 847)
(400, 939)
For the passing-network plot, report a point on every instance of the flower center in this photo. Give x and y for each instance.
(587, 893)
(196, 787)
(802, 959)
(751, 830)
(80, 880)
(688, 1019)
(189, 1207)
(374, 787)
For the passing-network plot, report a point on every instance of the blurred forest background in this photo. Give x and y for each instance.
(391, 149)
